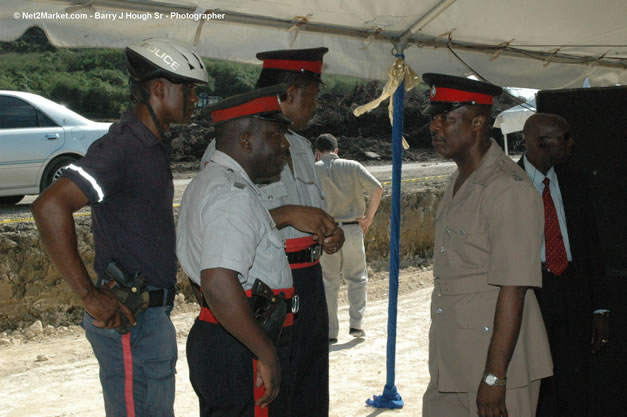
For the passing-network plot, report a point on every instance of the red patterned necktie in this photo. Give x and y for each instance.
(555, 252)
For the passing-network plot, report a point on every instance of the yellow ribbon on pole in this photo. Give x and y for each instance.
(396, 74)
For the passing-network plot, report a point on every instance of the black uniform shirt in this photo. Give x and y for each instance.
(126, 176)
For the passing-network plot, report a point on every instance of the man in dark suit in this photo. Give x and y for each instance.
(573, 297)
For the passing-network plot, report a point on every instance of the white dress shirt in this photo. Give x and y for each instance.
(537, 178)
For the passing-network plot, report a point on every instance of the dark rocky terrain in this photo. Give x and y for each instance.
(366, 138)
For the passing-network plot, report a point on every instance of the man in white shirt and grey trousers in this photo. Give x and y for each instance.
(345, 184)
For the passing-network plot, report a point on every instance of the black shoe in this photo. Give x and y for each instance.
(356, 332)
(332, 340)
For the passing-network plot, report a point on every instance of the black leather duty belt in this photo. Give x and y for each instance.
(163, 297)
(347, 223)
(305, 256)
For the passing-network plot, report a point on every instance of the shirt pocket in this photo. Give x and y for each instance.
(305, 176)
(275, 239)
(273, 195)
(465, 238)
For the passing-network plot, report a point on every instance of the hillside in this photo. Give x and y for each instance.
(93, 82)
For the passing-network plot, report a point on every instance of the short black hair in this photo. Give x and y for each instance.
(227, 132)
(326, 142)
(139, 90)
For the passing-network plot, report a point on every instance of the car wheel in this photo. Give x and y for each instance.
(54, 169)
(10, 200)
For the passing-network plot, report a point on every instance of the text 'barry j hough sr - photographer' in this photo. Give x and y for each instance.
(157, 16)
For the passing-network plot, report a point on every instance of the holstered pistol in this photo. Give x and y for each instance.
(270, 309)
(130, 290)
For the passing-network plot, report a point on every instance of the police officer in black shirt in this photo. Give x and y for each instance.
(125, 177)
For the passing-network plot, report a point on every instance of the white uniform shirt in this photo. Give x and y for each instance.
(554, 187)
(223, 224)
(300, 188)
(345, 184)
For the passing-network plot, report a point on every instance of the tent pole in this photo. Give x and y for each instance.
(505, 143)
(391, 398)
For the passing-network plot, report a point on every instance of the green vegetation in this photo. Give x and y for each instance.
(93, 82)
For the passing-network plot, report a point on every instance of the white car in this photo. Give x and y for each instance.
(38, 139)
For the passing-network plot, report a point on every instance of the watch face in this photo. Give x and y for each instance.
(490, 379)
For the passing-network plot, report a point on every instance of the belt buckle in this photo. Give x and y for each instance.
(315, 252)
(295, 303)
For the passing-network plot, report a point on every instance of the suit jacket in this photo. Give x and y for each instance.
(589, 283)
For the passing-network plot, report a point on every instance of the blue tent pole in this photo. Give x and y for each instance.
(391, 398)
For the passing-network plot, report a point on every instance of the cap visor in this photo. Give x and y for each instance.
(274, 117)
(439, 108)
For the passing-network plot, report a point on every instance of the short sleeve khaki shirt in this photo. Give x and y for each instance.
(345, 184)
(487, 235)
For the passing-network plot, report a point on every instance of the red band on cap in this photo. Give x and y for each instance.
(286, 64)
(453, 95)
(258, 105)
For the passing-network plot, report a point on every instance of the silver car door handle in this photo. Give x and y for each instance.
(52, 136)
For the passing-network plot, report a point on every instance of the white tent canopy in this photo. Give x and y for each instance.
(522, 43)
(513, 119)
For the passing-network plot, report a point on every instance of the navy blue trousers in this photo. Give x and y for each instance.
(309, 393)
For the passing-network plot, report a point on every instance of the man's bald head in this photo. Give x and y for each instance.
(536, 124)
(547, 140)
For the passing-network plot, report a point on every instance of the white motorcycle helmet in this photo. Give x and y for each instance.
(164, 58)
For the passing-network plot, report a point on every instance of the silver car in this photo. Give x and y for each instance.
(38, 139)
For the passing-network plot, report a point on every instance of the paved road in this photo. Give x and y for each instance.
(411, 172)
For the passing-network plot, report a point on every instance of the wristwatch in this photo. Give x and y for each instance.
(493, 380)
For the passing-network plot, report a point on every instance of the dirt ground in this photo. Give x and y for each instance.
(51, 371)
(57, 375)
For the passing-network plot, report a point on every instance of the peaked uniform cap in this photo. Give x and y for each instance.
(297, 60)
(262, 104)
(449, 92)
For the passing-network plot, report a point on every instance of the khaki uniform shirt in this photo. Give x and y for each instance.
(223, 224)
(487, 235)
(345, 184)
(301, 188)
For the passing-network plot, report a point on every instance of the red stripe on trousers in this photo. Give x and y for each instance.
(128, 375)
(258, 393)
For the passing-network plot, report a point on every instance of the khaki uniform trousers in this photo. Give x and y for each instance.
(348, 263)
(520, 402)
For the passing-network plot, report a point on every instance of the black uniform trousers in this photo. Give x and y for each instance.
(222, 375)
(568, 319)
(309, 394)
